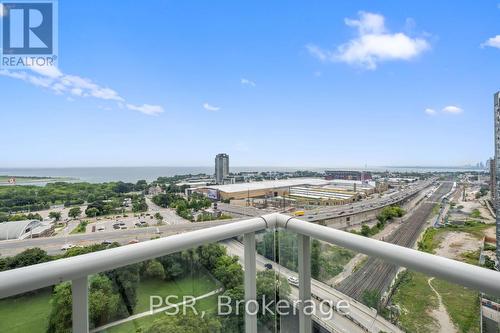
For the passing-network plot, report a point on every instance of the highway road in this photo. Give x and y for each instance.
(368, 320)
(53, 244)
(366, 205)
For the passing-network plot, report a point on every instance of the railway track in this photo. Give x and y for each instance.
(376, 274)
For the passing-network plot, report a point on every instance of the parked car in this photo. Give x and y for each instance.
(101, 228)
(268, 266)
(107, 242)
(133, 241)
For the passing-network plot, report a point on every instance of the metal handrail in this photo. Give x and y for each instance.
(33, 277)
(20, 280)
(467, 275)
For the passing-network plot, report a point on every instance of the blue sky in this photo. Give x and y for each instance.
(272, 83)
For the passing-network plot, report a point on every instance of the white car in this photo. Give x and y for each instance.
(293, 281)
(67, 246)
(101, 229)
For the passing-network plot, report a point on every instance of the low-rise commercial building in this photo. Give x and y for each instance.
(268, 188)
(25, 229)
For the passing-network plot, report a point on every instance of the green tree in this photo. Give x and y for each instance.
(28, 257)
(141, 185)
(74, 212)
(104, 305)
(126, 280)
(92, 212)
(210, 254)
(154, 270)
(228, 271)
(159, 218)
(173, 265)
(55, 215)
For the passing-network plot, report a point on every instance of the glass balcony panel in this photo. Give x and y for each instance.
(178, 291)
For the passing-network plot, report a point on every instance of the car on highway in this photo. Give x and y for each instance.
(293, 281)
(67, 246)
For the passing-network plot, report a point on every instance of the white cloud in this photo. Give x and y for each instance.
(209, 107)
(493, 42)
(452, 109)
(248, 82)
(373, 44)
(148, 109)
(53, 79)
(430, 111)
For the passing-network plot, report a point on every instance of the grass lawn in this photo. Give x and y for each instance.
(197, 284)
(416, 298)
(432, 236)
(415, 295)
(462, 305)
(26, 313)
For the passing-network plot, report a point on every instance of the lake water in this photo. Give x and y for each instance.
(133, 174)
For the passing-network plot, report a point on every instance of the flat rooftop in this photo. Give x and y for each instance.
(269, 184)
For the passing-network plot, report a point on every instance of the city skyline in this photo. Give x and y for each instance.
(313, 93)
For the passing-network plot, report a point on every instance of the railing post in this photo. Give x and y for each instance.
(304, 246)
(79, 290)
(250, 283)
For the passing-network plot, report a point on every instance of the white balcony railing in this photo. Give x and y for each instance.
(77, 269)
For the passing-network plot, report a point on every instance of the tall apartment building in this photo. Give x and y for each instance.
(493, 180)
(221, 167)
(497, 166)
